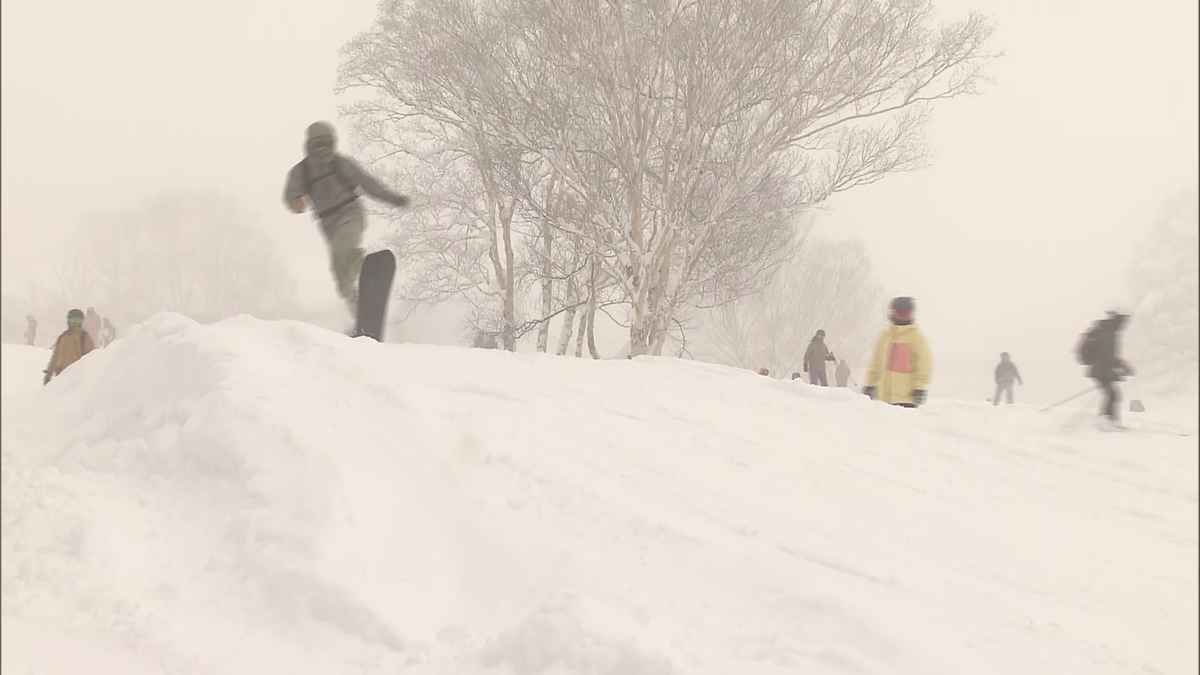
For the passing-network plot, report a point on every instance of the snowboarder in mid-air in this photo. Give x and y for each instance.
(328, 182)
(1005, 373)
(901, 364)
(1098, 350)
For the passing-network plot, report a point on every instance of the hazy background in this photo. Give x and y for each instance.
(1016, 237)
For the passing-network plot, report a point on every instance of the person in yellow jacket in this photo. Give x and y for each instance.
(901, 364)
(72, 345)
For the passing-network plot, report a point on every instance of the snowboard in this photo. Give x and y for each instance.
(374, 287)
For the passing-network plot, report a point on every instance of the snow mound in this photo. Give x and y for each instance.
(251, 496)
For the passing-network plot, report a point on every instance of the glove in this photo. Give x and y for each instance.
(918, 396)
(45, 378)
(869, 392)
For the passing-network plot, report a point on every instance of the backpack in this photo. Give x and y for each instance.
(341, 178)
(1085, 349)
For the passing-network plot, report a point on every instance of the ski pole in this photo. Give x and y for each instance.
(1069, 398)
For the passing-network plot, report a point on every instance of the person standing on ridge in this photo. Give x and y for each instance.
(74, 343)
(30, 330)
(91, 322)
(1006, 372)
(1099, 351)
(108, 332)
(329, 182)
(842, 373)
(814, 360)
(901, 365)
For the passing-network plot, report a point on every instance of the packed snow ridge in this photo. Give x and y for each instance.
(273, 497)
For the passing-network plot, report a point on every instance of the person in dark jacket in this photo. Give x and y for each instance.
(1107, 367)
(814, 360)
(1005, 373)
(329, 182)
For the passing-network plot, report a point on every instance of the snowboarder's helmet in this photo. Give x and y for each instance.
(902, 310)
(320, 137)
(75, 317)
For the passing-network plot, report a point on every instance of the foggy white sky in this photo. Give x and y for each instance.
(1036, 191)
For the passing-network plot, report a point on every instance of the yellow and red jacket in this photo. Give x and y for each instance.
(900, 364)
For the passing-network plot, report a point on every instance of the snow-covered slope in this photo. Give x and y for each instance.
(254, 497)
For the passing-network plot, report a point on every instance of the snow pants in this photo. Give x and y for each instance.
(343, 233)
(817, 376)
(1003, 388)
(1108, 407)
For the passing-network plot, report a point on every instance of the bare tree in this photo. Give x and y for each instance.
(688, 102)
(195, 253)
(424, 73)
(828, 286)
(690, 135)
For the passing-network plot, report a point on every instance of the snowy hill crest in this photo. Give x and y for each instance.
(256, 496)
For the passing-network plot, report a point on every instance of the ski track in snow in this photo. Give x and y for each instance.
(251, 497)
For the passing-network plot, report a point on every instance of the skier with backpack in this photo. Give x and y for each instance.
(329, 182)
(1098, 350)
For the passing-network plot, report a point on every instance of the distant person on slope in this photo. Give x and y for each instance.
(108, 332)
(72, 345)
(842, 373)
(814, 360)
(1006, 372)
(1098, 350)
(329, 183)
(91, 322)
(901, 365)
(30, 330)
